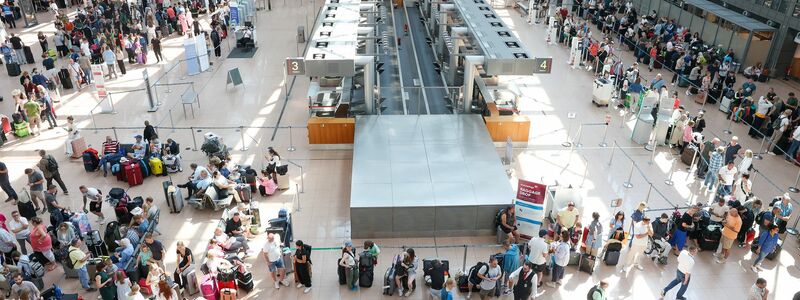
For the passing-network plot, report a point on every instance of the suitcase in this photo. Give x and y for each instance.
(66, 80)
(283, 182)
(173, 196)
(6, 123)
(226, 278)
(287, 260)
(574, 258)
(28, 54)
(227, 294)
(144, 168)
(751, 235)
(26, 209)
(611, 258)
(156, 166)
(693, 90)
(118, 170)
(709, 238)
(688, 155)
(171, 163)
(90, 162)
(245, 193)
(725, 104)
(78, 146)
(683, 81)
(245, 281)
(191, 283)
(586, 264)
(13, 69)
(133, 174)
(69, 273)
(21, 130)
(208, 287)
(340, 271)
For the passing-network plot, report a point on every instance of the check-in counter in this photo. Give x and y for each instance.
(501, 127)
(331, 130)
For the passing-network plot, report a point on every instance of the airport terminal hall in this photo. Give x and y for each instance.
(385, 149)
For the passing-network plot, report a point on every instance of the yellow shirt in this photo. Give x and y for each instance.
(736, 223)
(567, 216)
(76, 255)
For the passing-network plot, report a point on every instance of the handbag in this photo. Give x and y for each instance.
(282, 170)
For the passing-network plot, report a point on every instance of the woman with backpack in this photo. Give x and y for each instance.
(348, 262)
(302, 266)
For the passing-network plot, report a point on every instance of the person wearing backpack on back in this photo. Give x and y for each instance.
(598, 292)
(506, 221)
(77, 260)
(302, 266)
(488, 274)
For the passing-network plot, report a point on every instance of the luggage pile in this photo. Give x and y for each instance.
(213, 146)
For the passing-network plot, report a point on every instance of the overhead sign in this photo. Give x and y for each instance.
(529, 207)
(542, 65)
(295, 66)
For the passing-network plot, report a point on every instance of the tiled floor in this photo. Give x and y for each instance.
(323, 220)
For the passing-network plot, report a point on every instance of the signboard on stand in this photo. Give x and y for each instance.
(529, 206)
(234, 13)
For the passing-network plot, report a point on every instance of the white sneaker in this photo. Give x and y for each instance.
(551, 284)
(469, 295)
(639, 267)
(285, 282)
(771, 153)
(758, 267)
(277, 285)
(308, 289)
(299, 285)
(755, 270)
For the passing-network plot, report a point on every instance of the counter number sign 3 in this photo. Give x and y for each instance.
(295, 66)
(542, 65)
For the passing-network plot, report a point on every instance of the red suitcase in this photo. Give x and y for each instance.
(133, 173)
(751, 235)
(121, 174)
(7, 125)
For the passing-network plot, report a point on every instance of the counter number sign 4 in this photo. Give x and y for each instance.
(542, 65)
(295, 66)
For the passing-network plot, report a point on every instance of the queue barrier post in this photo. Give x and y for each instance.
(241, 131)
(761, 148)
(627, 183)
(291, 143)
(668, 181)
(194, 139)
(794, 188)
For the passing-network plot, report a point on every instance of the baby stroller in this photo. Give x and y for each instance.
(658, 250)
(213, 146)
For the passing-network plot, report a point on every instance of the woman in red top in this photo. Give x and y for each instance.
(653, 56)
(41, 242)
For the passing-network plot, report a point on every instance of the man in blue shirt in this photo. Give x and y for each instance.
(767, 219)
(748, 88)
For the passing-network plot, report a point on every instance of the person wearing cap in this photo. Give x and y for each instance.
(539, 251)
(567, 218)
(348, 262)
(642, 231)
(139, 147)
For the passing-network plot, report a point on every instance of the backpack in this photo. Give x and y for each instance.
(473, 272)
(498, 219)
(52, 164)
(590, 295)
(37, 269)
(777, 123)
(365, 260)
(68, 262)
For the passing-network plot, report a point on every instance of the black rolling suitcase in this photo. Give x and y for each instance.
(28, 54)
(66, 80)
(586, 263)
(342, 274)
(26, 209)
(709, 237)
(13, 69)
(95, 244)
(776, 252)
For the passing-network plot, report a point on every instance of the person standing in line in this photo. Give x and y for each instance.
(348, 261)
(110, 59)
(794, 146)
(567, 218)
(36, 183)
(302, 266)
(34, 111)
(5, 184)
(714, 164)
(49, 167)
(538, 253)
(730, 231)
(594, 239)
(683, 274)
(525, 286)
(79, 261)
(561, 259)
(437, 277)
(21, 287)
(489, 275)
(215, 40)
(759, 290)
(642, 231)
(120, 57)
(766, 244)
(779, 126)
(273, 255)
(447, 290)
(156, 44)
(19, 226)
(727, 175)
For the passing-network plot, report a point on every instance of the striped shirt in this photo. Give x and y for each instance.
(111, 147)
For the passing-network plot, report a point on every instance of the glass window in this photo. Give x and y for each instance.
(724, 34)
(697, 20)
(675, 11)
(663, 9)
(796, 10)
(710, 30)
(686, 16)
(738, 42)
(759, 48)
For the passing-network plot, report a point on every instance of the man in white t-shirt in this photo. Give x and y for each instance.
(727, 175)
(642, 231)
(273, 254)
(538, 254)
(718, 210)
(489, 275)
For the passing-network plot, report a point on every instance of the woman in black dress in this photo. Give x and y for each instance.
(185, 265)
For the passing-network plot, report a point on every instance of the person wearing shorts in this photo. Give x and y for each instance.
(95, 202)
(730, 231)
(34, 111)
(273, 254)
